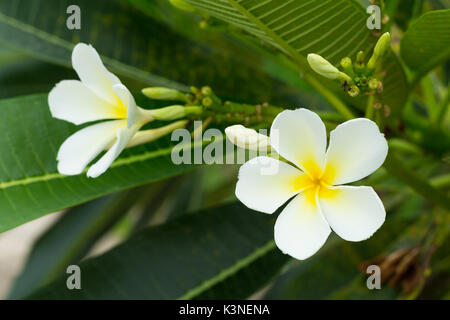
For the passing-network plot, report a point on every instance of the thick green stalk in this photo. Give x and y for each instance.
(443, 109)
(397, 169)
(442, 181)
(370, 108)
(331, 97)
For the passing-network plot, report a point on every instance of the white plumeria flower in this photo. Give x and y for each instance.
(315, 181)
(98, 96)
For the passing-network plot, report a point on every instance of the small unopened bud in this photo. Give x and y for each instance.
(247, 138)
(380, 49)
(174, 112)
(360, 57)
(182, 5)
(363, 81)
(373, 83)
(159, 93)
(207, 101)
(359, 66)
(353, 91)
(347, 65)
(325, 68)
(206, 91)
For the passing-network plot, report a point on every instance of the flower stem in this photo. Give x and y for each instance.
(331, 97)
(397, 169)
(442, 181)
(369, 108)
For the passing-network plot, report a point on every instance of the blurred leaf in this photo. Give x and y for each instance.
(136, 46)
(24, 76)
(333, 29)
(426, 43)
(30, 185)
(221, 253)
(70, 238)
(329, 28)
(395, 85)
(333, 273)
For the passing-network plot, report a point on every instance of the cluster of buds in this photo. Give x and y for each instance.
(358, 77)
(173, 112)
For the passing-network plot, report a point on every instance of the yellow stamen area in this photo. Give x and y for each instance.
(315, 181)
(120, 110)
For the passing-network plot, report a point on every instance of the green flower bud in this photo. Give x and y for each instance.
(174, 112)
(359, 66)
(325, 68)
(373, 83)
(194, 90)
(360, 57)
(353, 91)
(206, 91)
(159, 93)
(182, 5)
(380, 49)
(207, 101)
(347, 65)
(363, 81)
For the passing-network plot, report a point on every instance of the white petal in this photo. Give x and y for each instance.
(357, 148)
(265, 183)
(301, 230)
(247, 138)
(92, 72)
(72, 101)
(300, 137)
(133, 112)
(354, 213)
(84, 145)
(124, 135)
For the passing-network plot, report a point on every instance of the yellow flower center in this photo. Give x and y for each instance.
(120, 110)
(315, 182)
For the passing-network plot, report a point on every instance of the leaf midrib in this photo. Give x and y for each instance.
(299, 59)
(228, 272)
(124, 69)
(118, 163)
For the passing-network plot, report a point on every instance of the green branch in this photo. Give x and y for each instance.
(397, 169)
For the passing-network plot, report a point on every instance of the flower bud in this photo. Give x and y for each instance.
(247, 138)
(379, 51)
(359, 65)
(207, 101)
(159, 93)
(174, 112)
(347, 65)
(325, 68)
(373, 83)
(182, 5)
(353, 91)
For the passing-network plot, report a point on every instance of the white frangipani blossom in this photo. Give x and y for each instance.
(247, 138)
(98, 96)
(315, 181)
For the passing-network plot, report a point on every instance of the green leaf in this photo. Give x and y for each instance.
(135, 46)
(329, 28)
(126, 47)
(333, 273)
(426, 43)
(24, 76)
(30, 185)
(70, 238)
(220, 253)
(332, 29)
